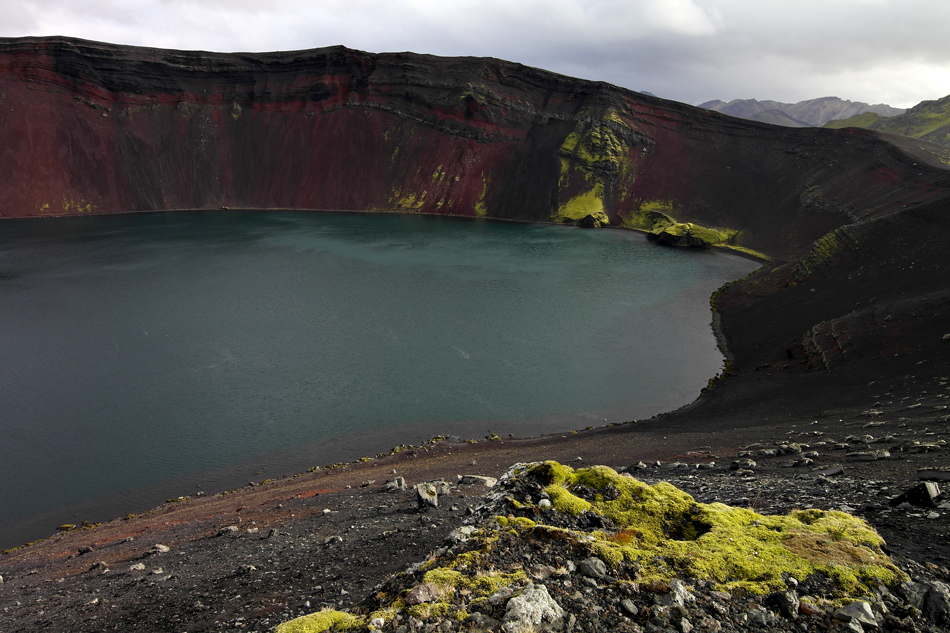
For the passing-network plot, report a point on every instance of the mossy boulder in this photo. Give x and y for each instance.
(321, 621)
(654, 535)
(667, 534)
(687, 234)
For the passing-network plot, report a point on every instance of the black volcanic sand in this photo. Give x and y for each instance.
(282, 560)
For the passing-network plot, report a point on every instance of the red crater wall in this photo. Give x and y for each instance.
(96, 128)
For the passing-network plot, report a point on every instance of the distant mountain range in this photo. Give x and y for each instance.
(928, 121)
(811, 113)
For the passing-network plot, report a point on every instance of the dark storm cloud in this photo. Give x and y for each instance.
(689, 50)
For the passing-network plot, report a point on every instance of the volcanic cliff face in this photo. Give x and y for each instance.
(96, 128)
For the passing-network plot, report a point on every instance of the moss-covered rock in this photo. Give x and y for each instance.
(688, 234)
(653, 535)
(667, 534)
(321, 621)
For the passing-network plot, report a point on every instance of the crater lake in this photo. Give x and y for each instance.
(153, 355)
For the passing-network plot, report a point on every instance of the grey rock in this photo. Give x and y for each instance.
(827, 472)
(759, 618)
(859, 611)
(785, 602)
(462, 533)
(441, 486)
(477, 480)
(926, 494)
(868, 456)
(501, 596)
(678, 595)
(742, 464)
(533, 610)
(161, 549)
(427, 496)
(426, 592)
(918, 447)
(395, 484)
(592, 567)
(628, 606)
(481, 623)
(937, 604)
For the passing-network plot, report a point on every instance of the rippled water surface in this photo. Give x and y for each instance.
(144, 355)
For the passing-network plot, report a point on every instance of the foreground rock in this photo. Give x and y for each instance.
(250, 559)
(610, 553)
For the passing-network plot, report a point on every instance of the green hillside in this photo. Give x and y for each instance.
(928, 121)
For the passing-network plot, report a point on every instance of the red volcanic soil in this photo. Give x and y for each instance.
(848, 325)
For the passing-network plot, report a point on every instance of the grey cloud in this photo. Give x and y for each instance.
(689, 50)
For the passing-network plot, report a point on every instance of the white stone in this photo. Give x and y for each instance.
(532, 610)
(859, 611)
(679, 594)
(478, 480)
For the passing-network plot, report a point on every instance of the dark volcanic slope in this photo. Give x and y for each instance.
(96, 128)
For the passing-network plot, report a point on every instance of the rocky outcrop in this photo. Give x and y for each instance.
(627, 556)
(88, 127)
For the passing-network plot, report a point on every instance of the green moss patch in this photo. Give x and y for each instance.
(321, 621)
(585, 205)
(649, 534)
(690, 234)
(666, 534)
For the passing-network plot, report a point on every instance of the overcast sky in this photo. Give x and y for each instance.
(878, 51)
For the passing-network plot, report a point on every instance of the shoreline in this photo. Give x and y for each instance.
(302, 516)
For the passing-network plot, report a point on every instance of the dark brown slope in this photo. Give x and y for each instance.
(87, 127)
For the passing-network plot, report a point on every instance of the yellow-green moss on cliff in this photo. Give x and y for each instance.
(586, 205)
(823, 252)
(595, 163)
(650, 215)
(689, 234)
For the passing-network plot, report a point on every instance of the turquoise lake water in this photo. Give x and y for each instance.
(144, 355)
